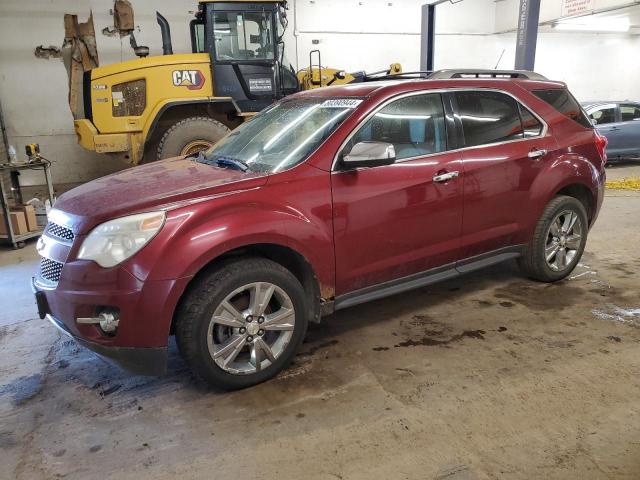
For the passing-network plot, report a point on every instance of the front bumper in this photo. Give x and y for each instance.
(146, 310)
(86, 133)
(90, 139)
(143, 361)
(129, 144)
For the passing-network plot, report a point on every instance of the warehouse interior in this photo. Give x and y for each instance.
(487, 375)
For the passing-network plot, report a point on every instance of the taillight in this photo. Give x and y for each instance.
(601, 145)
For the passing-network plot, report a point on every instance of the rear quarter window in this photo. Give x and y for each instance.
(563, 101)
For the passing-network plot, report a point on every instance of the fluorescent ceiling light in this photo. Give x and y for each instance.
(594, 24)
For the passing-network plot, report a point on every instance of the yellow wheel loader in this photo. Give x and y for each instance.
(176, 104)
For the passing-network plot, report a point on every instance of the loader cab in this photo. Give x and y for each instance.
(247, 51)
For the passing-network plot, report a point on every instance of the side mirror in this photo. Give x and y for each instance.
(594, 122)
(370, 154)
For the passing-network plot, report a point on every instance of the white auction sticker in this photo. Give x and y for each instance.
(341, 103)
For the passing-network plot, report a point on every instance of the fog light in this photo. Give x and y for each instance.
(108, 321)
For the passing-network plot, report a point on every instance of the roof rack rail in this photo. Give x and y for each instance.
(474, 73)
(372, 77)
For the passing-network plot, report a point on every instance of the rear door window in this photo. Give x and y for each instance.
(629, 113)
(415, 126)
(488, 117)
(563, 101)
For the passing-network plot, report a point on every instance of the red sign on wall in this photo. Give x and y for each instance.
(576, 7)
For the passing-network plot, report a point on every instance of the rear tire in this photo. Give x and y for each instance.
(232, 341)
(189, 136)
(558, 240)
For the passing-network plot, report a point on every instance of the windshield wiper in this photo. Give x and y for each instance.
(220, 161)
(231, 162)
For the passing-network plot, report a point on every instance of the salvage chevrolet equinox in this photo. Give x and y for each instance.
(327, 199)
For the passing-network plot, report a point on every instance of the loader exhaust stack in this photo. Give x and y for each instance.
(167, 49)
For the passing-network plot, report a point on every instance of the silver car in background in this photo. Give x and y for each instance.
(620, 123)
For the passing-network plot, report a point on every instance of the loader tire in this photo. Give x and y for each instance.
(189, 136)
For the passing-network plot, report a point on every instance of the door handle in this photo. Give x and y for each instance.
(445, 176)
(536, 153)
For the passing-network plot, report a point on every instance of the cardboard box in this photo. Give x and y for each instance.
(18, 223)
(42, 209)
(29, 214)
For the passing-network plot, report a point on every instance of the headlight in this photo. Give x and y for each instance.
(129, 98)
(116, 240)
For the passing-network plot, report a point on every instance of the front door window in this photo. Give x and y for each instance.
(604, 115)
(414, 125)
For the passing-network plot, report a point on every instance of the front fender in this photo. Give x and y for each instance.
(162, 106)
(196, 234)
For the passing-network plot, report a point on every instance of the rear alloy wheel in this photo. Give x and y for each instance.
(189, 136)
(564, 237)
(241, 323)
(558, 241)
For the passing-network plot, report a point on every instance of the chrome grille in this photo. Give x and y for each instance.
(50, 269)
(58, 231)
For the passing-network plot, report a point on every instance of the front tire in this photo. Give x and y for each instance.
(241, 323)
(190, 136)
(558, 240)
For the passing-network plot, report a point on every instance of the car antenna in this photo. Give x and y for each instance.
(500, 58)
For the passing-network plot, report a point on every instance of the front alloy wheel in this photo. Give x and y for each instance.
(251, 328)
(241, 322)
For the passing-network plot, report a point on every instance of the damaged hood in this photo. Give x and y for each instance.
(146, 187)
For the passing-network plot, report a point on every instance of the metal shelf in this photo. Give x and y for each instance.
(18, 240)
(27, 236)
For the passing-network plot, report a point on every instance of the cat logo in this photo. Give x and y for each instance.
(192, 79)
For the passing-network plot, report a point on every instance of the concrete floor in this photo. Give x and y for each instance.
(488, 376)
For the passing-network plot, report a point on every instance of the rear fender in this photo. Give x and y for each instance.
(570, 168)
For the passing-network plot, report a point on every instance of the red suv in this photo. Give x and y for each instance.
(327, 199)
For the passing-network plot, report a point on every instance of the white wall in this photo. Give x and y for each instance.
(507, 11)
(594, 66)
(34, 91)
(353, 35)
(371, 34)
